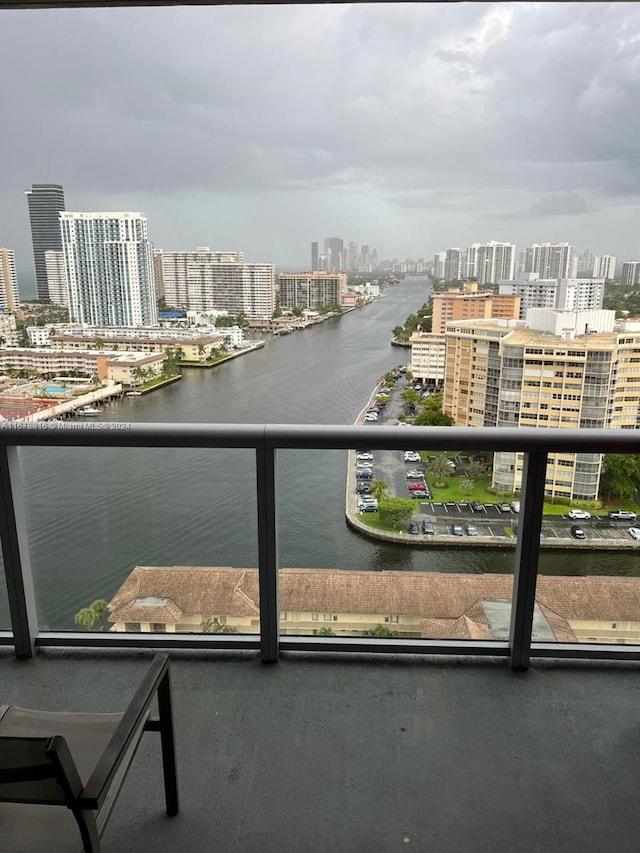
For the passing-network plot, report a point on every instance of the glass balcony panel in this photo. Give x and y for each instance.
(442, 570)
(189, 515)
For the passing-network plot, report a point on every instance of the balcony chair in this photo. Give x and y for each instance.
(77, 761)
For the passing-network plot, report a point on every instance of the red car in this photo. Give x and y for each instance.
(414, 487)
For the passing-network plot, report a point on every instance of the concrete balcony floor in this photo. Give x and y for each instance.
(367, 755)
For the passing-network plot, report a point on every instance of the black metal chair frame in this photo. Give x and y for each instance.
(92, 804)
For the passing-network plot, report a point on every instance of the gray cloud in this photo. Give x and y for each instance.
(417, 124)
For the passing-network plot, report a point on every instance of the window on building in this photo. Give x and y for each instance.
(131, 626)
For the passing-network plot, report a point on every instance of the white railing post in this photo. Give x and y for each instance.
(527, 552)
(267, 554)
(15, 553)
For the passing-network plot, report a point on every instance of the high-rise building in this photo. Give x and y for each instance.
(574, 294)
(219, 281)
(334, 251)
(453, 265)
(56, 277)
(109, 269)
(9, 297)
(314, 255)
(551, 260)
(469, 303)
(439, 265)
(45, 201)
(604, 266)
(311, 290)
(569, 370)
(630, 273)
(585, 263)
(495, 261)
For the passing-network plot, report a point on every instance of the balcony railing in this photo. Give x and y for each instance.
(266, 440)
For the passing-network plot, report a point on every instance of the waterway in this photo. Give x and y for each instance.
(93, 514)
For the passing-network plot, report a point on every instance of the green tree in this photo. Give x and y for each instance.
(379, 490)
(395, 511)
(326, 632)
(620, 475)
(431, 417)
(466, 486)
(441, 468)
(93, 615)
(213, 626)
(380, 631)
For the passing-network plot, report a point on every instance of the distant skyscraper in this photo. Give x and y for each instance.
(109, 269)
(9, 298)
(630, 273)
(495, 261)
(56, 277)
(334, 249)
(551, 260)
(604, 266)
(45, 202)
(314, 256)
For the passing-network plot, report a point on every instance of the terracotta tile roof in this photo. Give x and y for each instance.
(448, 604)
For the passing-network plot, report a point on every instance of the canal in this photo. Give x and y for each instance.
(93, 514)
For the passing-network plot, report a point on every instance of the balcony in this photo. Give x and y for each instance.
(366, 754)
(498, 620)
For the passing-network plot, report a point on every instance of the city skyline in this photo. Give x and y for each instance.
(408, 127)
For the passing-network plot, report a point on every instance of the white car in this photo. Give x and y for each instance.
(635, 532)
(364, 464)
(364, 455)
(411, 456)
(581, 514)
(415, 475)
(371, 417)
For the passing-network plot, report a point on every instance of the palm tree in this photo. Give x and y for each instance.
(213, 626)
(441, 467)
(379, 490)
(96, 613)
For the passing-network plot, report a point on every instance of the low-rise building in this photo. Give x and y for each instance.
(177, 599)
(428, 357)
(196, 347)
(312, 290)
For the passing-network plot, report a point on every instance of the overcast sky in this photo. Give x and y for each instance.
(408, 127)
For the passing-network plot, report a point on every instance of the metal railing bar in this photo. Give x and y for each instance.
(15, 551)
(527, 554)
(319, 436)
(586, 651)
(374, 645)
(112, 639)
(267, 553)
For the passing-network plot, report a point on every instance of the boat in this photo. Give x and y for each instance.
(133, 393)
(88, 411)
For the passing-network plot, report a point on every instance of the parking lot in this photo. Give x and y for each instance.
(488, 520)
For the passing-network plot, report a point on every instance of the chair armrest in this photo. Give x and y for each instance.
(131, 727)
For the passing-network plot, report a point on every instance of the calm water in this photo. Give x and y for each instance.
(94, 514)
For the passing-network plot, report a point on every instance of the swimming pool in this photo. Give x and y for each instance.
(55, 389)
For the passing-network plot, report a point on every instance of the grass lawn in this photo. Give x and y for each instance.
(372, 519)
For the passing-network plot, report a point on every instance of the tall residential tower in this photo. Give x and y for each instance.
(109, 269)
(45, 201)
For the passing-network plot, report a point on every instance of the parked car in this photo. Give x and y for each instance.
(363, 488)
(413, 487)
(363, 455)
(471, 530)
(476, 506)
(414, 474)
(364, 474)
(428, 527)
(457, 530)
(579, 514)
(634, 532)
(363, 463)
(370, 416)
(368, 505)
(503, 506)
(419, 493)
(515, 506)
(577, 532)
(411, 456)
(413, 528)
(622, 515)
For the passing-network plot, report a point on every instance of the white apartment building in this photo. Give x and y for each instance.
(428, 352)
(551, 260)
(439, 265)
(578, 294)
(219, 281)
(56, 277)
(109, 268)
(311, 290)
(9, 296)
(494, 261)
(630, 273)
(604, 266)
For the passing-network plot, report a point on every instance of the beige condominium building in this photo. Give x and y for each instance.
(562, 373)
(312, 290)
(428, 348)
(9, 298)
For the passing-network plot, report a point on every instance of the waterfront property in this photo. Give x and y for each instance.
(430, 605)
